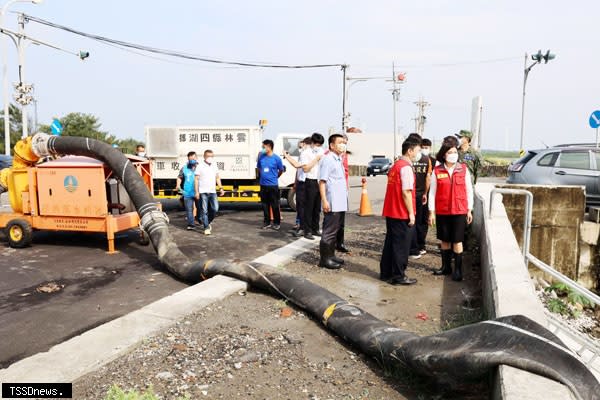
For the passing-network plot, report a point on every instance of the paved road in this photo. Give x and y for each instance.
(99, 287)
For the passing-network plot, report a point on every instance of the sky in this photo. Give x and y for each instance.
(451, 52)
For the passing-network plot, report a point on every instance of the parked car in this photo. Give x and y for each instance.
(379, 166)
(5, 161)
(564, 165)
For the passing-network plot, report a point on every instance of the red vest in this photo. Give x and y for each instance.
(451, 192)
(393, 205)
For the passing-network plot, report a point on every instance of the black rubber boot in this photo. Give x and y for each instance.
(338, 260)
(327, 252)
(446, 263)
(457, 274)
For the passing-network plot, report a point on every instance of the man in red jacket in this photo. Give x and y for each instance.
(399, 208)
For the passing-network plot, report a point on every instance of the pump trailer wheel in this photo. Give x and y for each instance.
(19, 233)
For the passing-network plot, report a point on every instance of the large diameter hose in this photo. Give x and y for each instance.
(153, 220)
(468, 351)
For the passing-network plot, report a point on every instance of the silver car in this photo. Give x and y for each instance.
(564, 165)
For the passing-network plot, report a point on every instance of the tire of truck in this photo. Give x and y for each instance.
(19, 233)
(291, 198)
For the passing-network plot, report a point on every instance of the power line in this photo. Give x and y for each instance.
(454, 64)
(173, 53)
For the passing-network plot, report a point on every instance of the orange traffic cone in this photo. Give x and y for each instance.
(365, 204)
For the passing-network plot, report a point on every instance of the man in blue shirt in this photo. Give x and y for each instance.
(334, 200)
(190, 191)
(270, 168)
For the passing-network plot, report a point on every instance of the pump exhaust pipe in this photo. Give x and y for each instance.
(469, 351)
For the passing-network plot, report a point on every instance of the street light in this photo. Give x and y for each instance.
(347, 114)
(537, 58)
(5, 73)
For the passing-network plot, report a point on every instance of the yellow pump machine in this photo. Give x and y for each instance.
(71, 193)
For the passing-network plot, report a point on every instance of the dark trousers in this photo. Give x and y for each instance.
(332, 223)
(312, 206)
(340, 235)
(299, 202)
(395, 249)
(269, 197)
(421, 226)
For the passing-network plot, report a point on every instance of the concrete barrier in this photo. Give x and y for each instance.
(508, 290)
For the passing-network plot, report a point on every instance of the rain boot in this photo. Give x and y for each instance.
(327, 252)
(457, 274)
(446, 263)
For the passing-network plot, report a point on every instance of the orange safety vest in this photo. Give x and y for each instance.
(451, 192)
(393, 204)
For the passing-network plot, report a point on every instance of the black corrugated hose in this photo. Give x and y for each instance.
(469, 351)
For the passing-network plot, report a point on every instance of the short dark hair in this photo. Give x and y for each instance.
(333, 137)
(414, 136)
(307, 140)
(191, 154)
(268, 142)
(448, 143)
(140, 145)
(317, 138)
(410, 143)
(208, 151)
(425, 142)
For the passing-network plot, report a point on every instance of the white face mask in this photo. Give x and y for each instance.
(341, 147)
(452, 158)
(209, 160)
(141, 154)
(417, 157)
(425, 152)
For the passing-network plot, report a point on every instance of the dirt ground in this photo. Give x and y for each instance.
(249, 346)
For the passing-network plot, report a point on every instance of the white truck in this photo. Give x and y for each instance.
(236, 151)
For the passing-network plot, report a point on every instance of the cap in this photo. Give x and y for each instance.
(464, 133)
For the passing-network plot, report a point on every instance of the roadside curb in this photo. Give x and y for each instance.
(80, 355)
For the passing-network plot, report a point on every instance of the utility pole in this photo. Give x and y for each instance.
(22, 73)
(421, 118)
(397, 79)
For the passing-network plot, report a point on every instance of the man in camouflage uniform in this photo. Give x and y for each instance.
(468, 155)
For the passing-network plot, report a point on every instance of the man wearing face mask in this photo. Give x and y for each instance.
(399, 211)
(270, 168)
(190, 191)
(450, 206)
(140, 151)
(334, 200)
(468, 155)
(208, 183)
(423, 167)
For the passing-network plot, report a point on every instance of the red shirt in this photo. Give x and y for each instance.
(393, 204)
(451, 192)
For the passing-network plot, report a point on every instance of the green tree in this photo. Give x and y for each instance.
(16, 126)
(83, 125)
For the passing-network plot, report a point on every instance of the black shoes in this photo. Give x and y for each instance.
(309, 236)
(327, 257)
(404, 281)
(338, 260)
(342, 248)
(446, 263)
(457, 274)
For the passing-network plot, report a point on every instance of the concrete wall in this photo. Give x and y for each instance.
(558, 213)
(508, 290)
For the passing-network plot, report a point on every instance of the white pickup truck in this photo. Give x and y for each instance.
(236, 150)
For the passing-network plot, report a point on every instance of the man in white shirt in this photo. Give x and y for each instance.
(208, 183)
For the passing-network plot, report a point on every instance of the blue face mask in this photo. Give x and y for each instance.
(263, 151)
